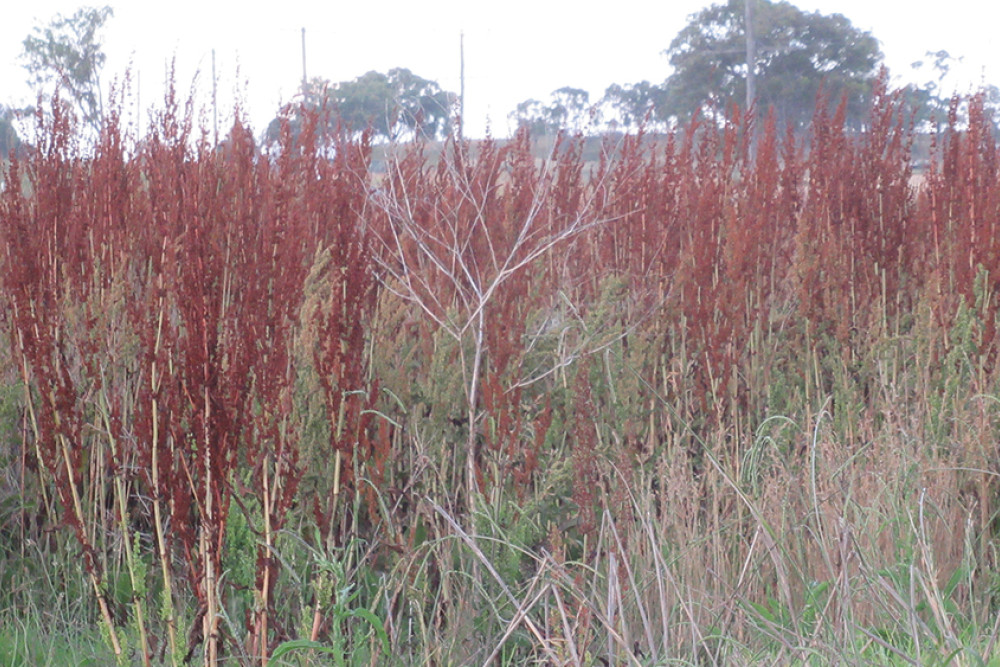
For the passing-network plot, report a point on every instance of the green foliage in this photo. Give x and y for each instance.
(963, 362)
(47, 617)
(568, 109)
(24, 644)
(771, 449)
(393, 105)
(352, 626)
(68, 52)
(632, 104)
(10, 142)
(797, 53)
(511, 536)
(774, 615)
(239, 556)
(931, 101)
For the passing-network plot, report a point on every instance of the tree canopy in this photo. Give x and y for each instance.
(568, 109)
(796, 53)
(631, 104)
(392, 104)
(68, 52)
(9, 141)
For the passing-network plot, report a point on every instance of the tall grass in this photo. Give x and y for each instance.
(722, 397)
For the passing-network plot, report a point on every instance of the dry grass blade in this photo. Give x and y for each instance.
(481, 557)
(522, 612)
(568, 632)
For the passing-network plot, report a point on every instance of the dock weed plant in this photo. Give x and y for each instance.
(724, 396)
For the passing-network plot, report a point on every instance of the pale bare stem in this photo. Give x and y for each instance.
(537, 204)
(473, 398)
(567, 630)
(481, 557)
(168, 595)
(424, 297)
(211, 619)
(405, 277)
(435, 310)
(501, 268)
(32, 417)
(449, 251)
(578, 226)
(633, 583)
(522, 611)
(64, 446)
(120, 495)
(993, 637)
(266, 583)
(587, 600)
(591, 343)
(479, 220)
(409, 296)
(511, 267)
(474, 288)
(78, 513)
(453, 249)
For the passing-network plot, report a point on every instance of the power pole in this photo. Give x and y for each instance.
(461, 85)
(215, 104)
(751, 54)
(303, 60)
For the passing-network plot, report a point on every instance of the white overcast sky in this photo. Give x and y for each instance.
(514, 49)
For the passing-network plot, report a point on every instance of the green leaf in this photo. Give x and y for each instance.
(376, 624)
(301, 645)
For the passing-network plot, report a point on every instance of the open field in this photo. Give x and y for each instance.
(703, 402)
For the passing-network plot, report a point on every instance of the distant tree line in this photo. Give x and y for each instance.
(793, 55)
(395, 105)
(64, 59)
(797, 54)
